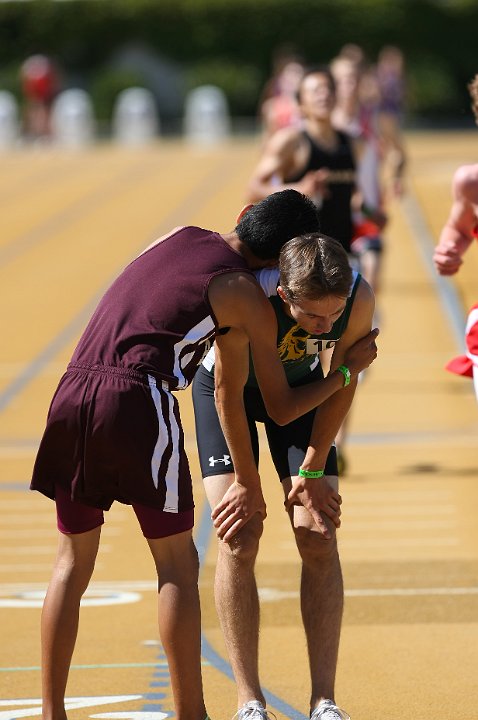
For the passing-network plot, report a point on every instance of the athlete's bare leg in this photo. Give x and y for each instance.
(237, 601)
(321, 595)
(179, 618)
(59, 625)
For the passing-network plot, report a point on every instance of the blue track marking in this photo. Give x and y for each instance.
(156, 697)
(454, 313)
(446, 291)
(189, 205)
(203, 538)
(448, 296)
(33, 369)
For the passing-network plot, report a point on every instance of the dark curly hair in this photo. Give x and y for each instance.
(275, 220)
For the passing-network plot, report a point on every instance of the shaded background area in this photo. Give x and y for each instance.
(172, 46)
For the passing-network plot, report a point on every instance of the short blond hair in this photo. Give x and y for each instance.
(314, 266)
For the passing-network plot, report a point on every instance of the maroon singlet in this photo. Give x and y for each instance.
(113, 430)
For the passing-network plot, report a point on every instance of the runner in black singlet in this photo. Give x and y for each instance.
(335, 205)
(316, 159)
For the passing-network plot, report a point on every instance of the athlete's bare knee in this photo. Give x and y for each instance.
(76, 557)
(243, 546)
(176, 558)
(313, 547)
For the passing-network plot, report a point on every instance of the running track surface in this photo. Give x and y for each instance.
(409, 540)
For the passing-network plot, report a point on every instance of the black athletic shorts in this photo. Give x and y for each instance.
(287, 443)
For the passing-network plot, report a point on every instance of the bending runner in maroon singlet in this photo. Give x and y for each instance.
(114, 433)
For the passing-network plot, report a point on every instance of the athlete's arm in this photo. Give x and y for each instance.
(457, 233)
(315, 494)
(239, 302)
(278, 161)
(244, 497)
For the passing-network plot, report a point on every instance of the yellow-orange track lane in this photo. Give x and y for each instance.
(409, 538)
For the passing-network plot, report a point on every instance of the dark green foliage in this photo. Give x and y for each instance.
(231, 42)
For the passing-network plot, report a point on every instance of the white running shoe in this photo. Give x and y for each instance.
(328, 710)
(253, 710)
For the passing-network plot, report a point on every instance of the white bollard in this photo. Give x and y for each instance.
(72, 120)
(206, 120)
(9, 125)
(135, 118)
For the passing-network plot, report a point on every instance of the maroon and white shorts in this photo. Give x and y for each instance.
(115, 434)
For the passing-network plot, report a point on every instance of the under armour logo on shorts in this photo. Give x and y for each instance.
(226, 459)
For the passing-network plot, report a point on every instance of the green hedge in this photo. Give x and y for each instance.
(230, 42)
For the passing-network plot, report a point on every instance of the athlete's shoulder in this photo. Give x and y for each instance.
(237, 299)
(465, 182)
(285, 139)
(364, 289)
(235, 286)
(161, 239)
(363, 299)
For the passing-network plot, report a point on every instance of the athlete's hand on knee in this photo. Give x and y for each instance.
(237, 506)
(362, 353)
(317, 496)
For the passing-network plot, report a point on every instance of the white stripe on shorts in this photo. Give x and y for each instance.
(172, 472)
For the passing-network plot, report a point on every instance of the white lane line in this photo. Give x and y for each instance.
(91, 598)
(268, 594)
(31, 707)
(425, 242)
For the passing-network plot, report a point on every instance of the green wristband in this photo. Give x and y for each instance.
(346, 373)
(310, 473)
